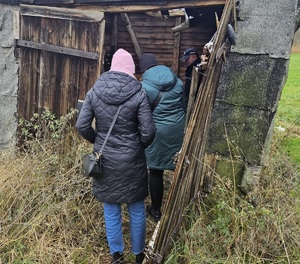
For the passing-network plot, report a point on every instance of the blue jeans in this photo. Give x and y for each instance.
(113, 223)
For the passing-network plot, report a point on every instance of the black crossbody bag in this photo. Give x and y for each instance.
(91, 163)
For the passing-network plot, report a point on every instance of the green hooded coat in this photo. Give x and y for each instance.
(169, 116)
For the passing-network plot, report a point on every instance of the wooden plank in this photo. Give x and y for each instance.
(176, 48)
(101, 36)
(208, 174)
(56, 49)
(62, 13)
(129, 6)
(116, 1)
(192, 94)
(132, 35)
(16, 24)
(153, 7)
(29, 65)
(145, 41)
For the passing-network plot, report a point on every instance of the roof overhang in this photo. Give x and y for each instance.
(115, 6)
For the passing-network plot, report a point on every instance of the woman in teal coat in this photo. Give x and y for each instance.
(165, 93)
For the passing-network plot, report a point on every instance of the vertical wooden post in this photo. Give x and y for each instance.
(114, 35)
(176, 49)
(101, 35)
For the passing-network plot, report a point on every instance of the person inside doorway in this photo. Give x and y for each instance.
(190, 58)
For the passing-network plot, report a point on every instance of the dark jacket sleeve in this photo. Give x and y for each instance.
(146, 123)
(84, 121)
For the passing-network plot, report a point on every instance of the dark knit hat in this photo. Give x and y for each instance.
(147, 60)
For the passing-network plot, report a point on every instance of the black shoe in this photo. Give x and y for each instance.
(154, 214)
(139, 258)
(117, 258)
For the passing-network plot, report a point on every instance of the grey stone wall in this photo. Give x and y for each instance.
(8, 78)
(252, 79)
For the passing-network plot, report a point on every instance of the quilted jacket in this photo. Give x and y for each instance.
(124, 177)
(169, 116)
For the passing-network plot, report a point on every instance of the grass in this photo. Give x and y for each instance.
(288, 112)
(289, 105)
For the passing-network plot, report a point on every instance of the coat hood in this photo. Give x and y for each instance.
(160, 77)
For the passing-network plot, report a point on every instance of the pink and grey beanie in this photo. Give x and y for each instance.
(122, 61)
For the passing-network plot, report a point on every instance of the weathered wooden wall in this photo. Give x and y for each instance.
(51, 80)
(154, 35)
(55, 81)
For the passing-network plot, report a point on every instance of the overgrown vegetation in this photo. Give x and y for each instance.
(48, 215)
(47, 212)
(260, 228)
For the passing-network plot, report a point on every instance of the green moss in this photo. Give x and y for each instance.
(241, 131)
(229, 169)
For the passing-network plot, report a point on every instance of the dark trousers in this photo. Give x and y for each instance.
(156, 183)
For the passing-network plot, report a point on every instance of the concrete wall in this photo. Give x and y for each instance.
(252, 80)
(8, 79)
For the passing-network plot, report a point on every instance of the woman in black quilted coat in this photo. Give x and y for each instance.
(124, 177)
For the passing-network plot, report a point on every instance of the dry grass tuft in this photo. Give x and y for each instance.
(47, 212)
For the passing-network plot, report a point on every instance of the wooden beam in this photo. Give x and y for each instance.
(176, 48)
(62, 13)
(133, 37)
(192, 94)
(118, 6)
(57, 49)
(146, 8)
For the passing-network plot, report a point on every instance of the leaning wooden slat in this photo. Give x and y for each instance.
(170, 222)
(132, 35)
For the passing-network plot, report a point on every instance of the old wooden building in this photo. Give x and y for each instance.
(64, 49)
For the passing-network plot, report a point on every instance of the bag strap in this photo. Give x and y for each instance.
(110, 129)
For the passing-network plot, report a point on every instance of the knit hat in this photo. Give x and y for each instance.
(147, 60)
(188, 52)
(122, 61)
